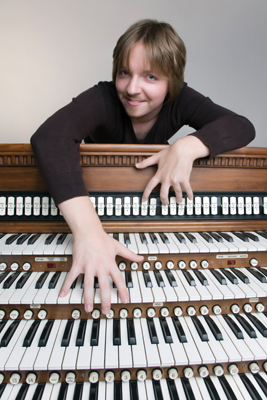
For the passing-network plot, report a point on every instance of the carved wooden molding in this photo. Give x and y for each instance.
(98, 155)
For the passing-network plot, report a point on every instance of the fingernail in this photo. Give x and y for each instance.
(61, 294)
(125, 299)
(88, 309)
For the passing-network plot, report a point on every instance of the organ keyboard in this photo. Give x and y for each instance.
(196, 324)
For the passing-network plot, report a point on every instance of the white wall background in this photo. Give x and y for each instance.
(51, 50)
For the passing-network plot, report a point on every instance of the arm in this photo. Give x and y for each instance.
(94, 253)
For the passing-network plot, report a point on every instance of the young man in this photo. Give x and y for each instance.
(147, 102)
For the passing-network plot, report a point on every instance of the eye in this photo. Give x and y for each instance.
(124, 72)
(151, 77)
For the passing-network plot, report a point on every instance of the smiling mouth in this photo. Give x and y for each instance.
(134, 102)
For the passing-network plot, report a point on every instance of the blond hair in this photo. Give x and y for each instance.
(165, 50)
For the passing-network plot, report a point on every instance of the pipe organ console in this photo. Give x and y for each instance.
(196, 324)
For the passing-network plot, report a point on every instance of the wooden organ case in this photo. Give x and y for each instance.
(196, 324)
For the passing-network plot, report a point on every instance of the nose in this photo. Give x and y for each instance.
(133, 86)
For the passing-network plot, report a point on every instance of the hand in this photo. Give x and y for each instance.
(94, 253)
(174, 168)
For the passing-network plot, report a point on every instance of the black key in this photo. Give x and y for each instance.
(134, 395)
(67, 333)
(81, 333)
(191, 281)
(12, 238)
(82, 282)
(61, 238)
(9, 333)
(262, 270)
(33, 238)
(250, 387)
(116, 236)
(46, 333)
(171, 278)
(10, 280)
(2, 235)
(78, 392)
(203, 280)
(117, 390)
(128, 279)
(152, 331)
(218, 276)
(159, 279)
(214, 328)
(73, 285)
(179, 330)
(261, 382)
(244, 278)
(229, 275)
(157, 390)
(241, 236)
(200, 329)
(54, 280)
(3, 276)
(234, 327)
(180, 237)
(187, 388)
(93, 395)
(116, 332)
(165, 330)
(251, 236)
(258, 324)
(96, 284)
(50, 238)
(246, 325)
(95, 332)
(263, 234)
(41, 280)
(62, 394)
(211, 389)
(31, 333)
(22, 280)
(206, 236)
(2, 389)
(172, 389)
(227, 388)
(217, 237)
(3, 323)
(147, 279)
(190, 237)
(131, 331)
(22, 391)
(255, 272)
(153, 238)
(227, 237)
(127, 239)
(164, 238)
(143, 238)
(39, 391)
(23, 238)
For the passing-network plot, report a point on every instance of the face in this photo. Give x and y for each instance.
(141, 91)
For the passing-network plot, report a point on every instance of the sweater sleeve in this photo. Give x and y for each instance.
(56, 143)
(217, 127)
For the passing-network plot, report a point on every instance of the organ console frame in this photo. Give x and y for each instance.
(239, 170)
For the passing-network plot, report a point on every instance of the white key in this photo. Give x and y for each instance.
(191, 290)
(71, 352)
(222, 248)
(218, 387)
(142, 390)
(242, 387)
(134, 292)
(138, 350)
(181, 247)
(242, 246)
(5, 351)
(57, 355)
(50, 248)
(146, 293)
(180, 390)
(125, 350)
(17, 350)
(179, 353)
(204, 246)
(152, 248)
(226, 292)
(18, 295)
(19, 206)
(142, 247)
(164, 349)
(172, 248)
(31, 292)
(158, 293)
(77, 292)
(93, 201)
(61, 248)
(193, 247)
(250, 246)
(28, 359)
(255, 284)
(235, 288)
(260, 339)
(125, 390)
(52, 296)
(202, 290)
(43, 292)
(85, 351)
(235, 388)
(39, 249)
(190, 347)
(30, 391)
(162, 247)
(42, 359)
(202, 387)
(109, 392)
(256, 385)
(8, 293)
(132, 246)
(55, 391)
(98, 352)
(180, 290)
(118, 206)
(215, 345)
(164, 389)
(203, 347)
(12, 391)
(153, 359)
(168, 289)
(195, 389)
(211, 287)
(111, 351)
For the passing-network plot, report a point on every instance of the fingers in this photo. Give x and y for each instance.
(148, 162)
(126, 253)
(88, 291)
(154, 181)
(70, 278)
